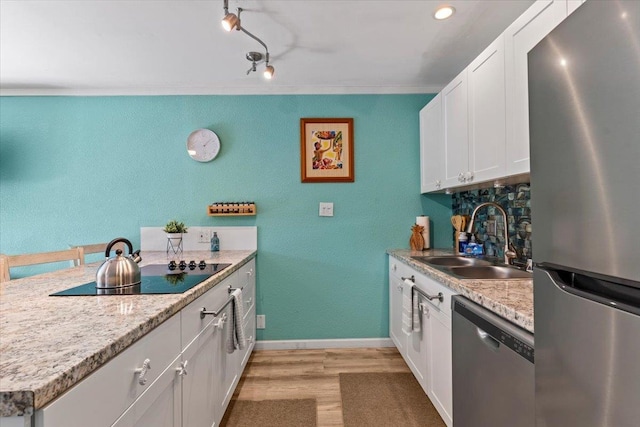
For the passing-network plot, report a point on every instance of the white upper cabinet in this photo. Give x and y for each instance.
(487, 133)
(485, 109)
(455, 127)
(431, 146)
(519, 38)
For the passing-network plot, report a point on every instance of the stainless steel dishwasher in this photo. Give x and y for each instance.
(493, 375)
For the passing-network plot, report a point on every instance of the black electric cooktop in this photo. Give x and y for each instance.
(155, 279)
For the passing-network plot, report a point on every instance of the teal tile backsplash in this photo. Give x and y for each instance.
(516, 201)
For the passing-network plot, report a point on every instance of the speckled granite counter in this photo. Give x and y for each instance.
(48, 344)
(511, 299)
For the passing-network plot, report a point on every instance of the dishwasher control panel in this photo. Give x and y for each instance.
(499, 329)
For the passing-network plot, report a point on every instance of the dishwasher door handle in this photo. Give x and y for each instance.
(488, 340)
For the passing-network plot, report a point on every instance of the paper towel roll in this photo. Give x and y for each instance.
(424, 221)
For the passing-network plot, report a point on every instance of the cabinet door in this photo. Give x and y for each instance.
(225, 366)
(159, 405)
(395, 313)
(455, 128)
(417, 346)
(199, 392)
(431, 146)
(487, 132)
(441, 384)
(519, 38)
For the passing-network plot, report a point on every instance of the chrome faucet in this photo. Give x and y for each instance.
(508, 253)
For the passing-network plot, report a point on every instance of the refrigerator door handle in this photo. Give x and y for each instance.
(620, 295)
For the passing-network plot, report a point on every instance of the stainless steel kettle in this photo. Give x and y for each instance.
(120, 271)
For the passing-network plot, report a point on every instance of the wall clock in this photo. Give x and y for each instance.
(203, 145)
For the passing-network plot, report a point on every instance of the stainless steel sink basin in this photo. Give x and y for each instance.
(490, 272)
(451, 261)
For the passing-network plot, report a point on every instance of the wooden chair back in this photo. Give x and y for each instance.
(100, 248)
(9, 261)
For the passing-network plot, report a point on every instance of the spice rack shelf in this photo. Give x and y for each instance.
(231, 209)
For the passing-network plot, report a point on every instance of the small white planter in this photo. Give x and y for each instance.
(174, 242)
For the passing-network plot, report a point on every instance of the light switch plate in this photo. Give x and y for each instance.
(326, 209)
(260, 321)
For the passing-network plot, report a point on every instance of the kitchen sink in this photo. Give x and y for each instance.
(451, 261)
(490, 272)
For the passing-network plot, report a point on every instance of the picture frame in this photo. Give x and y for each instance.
(326, 150)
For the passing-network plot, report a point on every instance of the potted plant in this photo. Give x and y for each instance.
(174, 230)
(174, 227)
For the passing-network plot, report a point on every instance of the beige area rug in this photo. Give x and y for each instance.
(386, 399)
(270, 413)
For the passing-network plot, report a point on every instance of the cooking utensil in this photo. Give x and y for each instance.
(458, 222)
(120, 271)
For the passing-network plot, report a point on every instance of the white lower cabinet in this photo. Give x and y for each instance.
(198, 390)
(159, 405)
(440, 387)
(428, 351)
(179, 374)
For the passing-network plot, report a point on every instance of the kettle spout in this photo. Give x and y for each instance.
(136, 256)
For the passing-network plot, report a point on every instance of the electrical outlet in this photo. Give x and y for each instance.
(326, 209)
(203, 236)
(260, 321)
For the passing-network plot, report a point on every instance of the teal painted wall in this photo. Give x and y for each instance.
(76, 170)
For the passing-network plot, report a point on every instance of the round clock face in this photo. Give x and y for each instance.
(203, 145)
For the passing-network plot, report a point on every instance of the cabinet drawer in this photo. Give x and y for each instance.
(431, 287)
(192, 324)
(399, 269)
(104, 395)
(247, 281)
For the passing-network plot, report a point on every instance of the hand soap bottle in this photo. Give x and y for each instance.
(215, 242)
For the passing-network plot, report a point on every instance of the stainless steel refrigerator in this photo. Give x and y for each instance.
(584, 109)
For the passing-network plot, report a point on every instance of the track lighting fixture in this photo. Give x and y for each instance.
(231, 21)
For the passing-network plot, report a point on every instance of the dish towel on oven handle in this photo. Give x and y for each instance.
(407, 306)
(410, 308)
(235, 332)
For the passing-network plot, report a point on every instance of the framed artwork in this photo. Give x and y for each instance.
(326, 150)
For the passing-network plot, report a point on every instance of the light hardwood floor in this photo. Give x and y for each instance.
(304, 374)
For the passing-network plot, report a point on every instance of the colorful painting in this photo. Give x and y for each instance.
(326, 150)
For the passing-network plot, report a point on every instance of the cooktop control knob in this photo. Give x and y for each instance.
(192, 265)
(172, 265)
(182, 265)
(202, 265)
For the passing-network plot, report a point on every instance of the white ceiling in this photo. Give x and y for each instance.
(178, 47)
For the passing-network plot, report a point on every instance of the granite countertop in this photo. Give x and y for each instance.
(511, 299)
(48, 344)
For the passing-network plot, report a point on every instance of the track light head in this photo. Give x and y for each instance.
(268, 72)
(230, 21)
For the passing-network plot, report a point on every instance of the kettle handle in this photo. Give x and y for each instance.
(116, 240)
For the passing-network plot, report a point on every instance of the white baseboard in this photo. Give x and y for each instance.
(319, 344)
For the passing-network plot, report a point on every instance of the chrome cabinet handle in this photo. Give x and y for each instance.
(250, 272)
(425, 309)
(412, 278)
(249, 301)
(460, 177)
(142, 372)
(468, 177)
(439, 297)
(182, 369)
(438, 183)
(220, 323)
